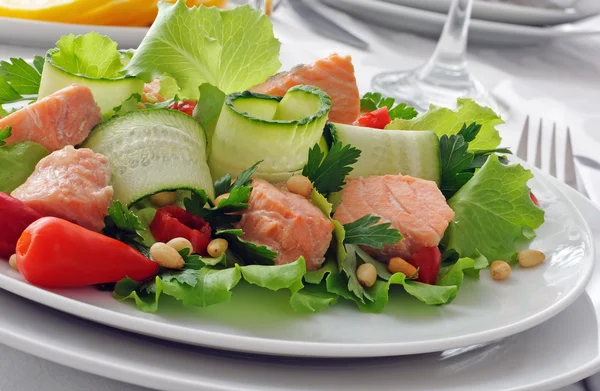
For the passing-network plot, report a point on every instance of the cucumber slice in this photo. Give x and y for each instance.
(108, 93)
(153, 150)
(278, 131)
(408, 152)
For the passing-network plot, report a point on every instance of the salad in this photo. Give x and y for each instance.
(191, 164)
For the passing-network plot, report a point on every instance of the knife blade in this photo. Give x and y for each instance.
(325, 26)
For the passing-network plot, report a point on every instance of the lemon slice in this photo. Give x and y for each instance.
(46, 10)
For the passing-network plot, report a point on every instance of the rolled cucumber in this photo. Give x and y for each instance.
(279, 131)
(407, 152)
(153, 150)
(108, 92)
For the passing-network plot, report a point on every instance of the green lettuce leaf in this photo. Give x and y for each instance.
(92, 55)
(312, 298)
(445, 121)
(278, 277)
(208, 109)
(230, 49)
(494, 214)
(168, 87)
(317, 276)
(18, 162)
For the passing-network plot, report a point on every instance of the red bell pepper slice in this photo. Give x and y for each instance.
(56, 253)
(534, 199)
(15, 216)
(377, 119)
(428, 261)
(174, 222)
(185, 106)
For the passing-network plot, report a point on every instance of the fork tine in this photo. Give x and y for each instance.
(538, 148)
(553, 152)
(570, 174)
(523, 144)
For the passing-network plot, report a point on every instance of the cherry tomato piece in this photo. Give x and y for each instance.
(174, 222)
(427, 261)
(376, 119)
(185, 106)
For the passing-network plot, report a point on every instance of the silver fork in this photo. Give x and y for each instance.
(570, 174)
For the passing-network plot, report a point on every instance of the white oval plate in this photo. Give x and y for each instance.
(558, 352)
(512, 13)
(260, 321)
(429, 23)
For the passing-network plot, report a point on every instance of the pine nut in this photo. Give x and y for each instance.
(301, 185)
(399, 265)
(180, 243)
(12, 261)
(366, 274)
(217, 247)
(500, 270)
(530, 258)
(221, 198)
(164, 198)
(166, 256)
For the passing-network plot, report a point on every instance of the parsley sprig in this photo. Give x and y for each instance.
(124, 225)
(328, 172)
(19, 81)
(368, 232)
(458, 163)
(374, 100)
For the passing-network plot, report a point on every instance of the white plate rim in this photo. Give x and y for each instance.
(248, 344)
(485, 8)
(91, 364)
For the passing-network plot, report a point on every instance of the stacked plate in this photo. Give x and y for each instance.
(537, 331)
(494, 22)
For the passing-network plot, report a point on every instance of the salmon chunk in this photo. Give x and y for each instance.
(64, 118)
(71, 184)
(414, 206)
(334, 75)
(287, 223)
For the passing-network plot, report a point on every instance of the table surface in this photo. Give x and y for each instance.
(558, 82)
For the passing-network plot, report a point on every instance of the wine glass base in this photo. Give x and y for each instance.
(408, 87)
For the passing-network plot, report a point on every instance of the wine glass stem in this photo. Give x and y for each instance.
(448, 61)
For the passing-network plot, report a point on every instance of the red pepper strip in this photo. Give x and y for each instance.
(376, 119)
(174, 222)
(534, 199)
(428, 261)
(56, 253)
(185, 106)
(15, 216)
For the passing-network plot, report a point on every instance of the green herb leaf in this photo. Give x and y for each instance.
(38, 63)
(374, 100)
(8, 94)
(329, 174)
(250, 252)
(223, 185)
(367, 232)
(124, 225)
(22, 77)
(4, 134)
(243, 179)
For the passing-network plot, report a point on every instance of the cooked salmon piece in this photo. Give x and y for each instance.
(414, 206)
(287, 223)
(63, 118)
(71, 184)
(334, 75)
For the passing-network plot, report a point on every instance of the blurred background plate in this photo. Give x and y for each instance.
(513, 13)
(429, 23)
(32, 33)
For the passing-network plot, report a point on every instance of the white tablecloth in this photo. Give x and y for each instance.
(559, 82)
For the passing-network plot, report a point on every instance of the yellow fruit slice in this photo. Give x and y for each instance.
(208, 3)
(46, 10)
(120, 13)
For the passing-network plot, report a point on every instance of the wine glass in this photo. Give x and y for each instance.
(445, 77)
